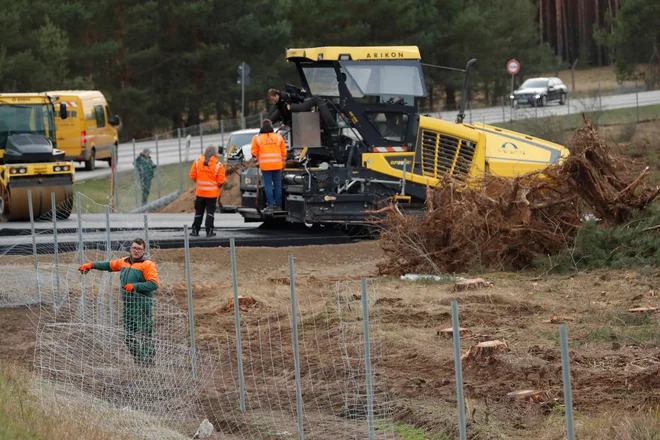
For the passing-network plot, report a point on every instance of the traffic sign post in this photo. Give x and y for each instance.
(513, 67)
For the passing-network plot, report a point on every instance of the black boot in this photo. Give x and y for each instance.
(194, 232)
(210, 233)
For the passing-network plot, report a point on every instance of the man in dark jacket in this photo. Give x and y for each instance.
(145, 168)
(286, 103)
(139, 280)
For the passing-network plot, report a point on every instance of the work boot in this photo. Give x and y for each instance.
(210, 233)
(194, 233)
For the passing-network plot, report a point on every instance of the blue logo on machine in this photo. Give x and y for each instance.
(512, 149)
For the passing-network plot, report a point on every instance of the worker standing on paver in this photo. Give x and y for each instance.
(269, 150)
(139, 280)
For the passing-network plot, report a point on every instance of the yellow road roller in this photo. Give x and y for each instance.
(30, 160)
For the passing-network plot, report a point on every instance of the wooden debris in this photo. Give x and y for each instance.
(485, 349)
(643, 309)
(244, 303)
(477, 283)
(536, 396)
(449, 332)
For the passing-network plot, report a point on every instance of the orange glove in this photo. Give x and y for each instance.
(128, 287)
(85, 268)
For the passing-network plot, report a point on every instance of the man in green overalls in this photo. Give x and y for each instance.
(139, 280)
(145, 168)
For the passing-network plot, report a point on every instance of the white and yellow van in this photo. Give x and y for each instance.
(89, 132)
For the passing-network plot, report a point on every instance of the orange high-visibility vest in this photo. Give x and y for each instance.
(208, 178)
(270, 151)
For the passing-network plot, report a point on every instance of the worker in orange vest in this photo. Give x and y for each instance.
(209, 175)
(269, 149)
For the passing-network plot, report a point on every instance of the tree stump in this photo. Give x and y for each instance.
(477, 283)
(485, 349)
(244, 303)
(535, 396)
(449, 332)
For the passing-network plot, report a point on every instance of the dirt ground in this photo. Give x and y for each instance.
(614, 353)
(231, 194)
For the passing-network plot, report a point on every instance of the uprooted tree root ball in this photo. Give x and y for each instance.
(503, 223)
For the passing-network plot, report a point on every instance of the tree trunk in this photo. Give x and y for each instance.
(599, 50)
(559, 40)
(541, 21)
(564, 15)
(450, 103)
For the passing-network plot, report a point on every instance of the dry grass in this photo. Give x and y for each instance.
(22, 417)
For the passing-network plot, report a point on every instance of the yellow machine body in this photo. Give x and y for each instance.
(32, 114)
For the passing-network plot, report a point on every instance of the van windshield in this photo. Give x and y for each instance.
(26, 118)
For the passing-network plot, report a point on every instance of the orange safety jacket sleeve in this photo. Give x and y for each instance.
(282, 149)
(193, 171)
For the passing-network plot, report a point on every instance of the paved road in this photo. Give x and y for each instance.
(165, 231)
(168, 150)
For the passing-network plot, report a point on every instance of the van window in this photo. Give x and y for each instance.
(100, 116)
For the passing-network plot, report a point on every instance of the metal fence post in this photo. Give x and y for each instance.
(178, 134)
(367, 359)
(157, 168)
(600, 98)
(261, 118)
(222, 136)
(503, 111)
(34, 244)
(191, 317)
(81, 254)
(296, 355)
(55, 250)
(146, 231)
(237, 324)
(115, 155)
(459, 370)
(138, 188)
(637, 100)
(108, 257)
(566, 375)
(201, 139)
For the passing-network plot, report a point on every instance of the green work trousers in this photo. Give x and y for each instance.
(138, 325)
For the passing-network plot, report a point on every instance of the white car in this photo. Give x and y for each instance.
(239, 144)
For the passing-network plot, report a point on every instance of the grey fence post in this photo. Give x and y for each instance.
(367, 359)
(237, 324)
(146, 231)
(34, 244)
(566, 375)
(115, 155)
(201, 139)
(55, 251)
(222, 136)
(503, 111)
(637, 100)
(459, 370)
(178, 134)
(191, 317)
(157, 168)
(600, 98)
(296, 355)
(108, 257)
(138, 186)
(81, 254)
(261, 118)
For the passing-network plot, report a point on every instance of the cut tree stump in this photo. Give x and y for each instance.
(485, 349)
(449, 332)
(244, 303)
(536, 396)
(476, 283)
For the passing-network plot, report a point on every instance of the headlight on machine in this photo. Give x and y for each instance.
(537, 96)
(59, 168)
(18, 170)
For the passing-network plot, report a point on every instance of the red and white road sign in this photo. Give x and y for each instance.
(513, 67)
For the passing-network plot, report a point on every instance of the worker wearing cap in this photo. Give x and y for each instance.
(209, 175)
(138, 276)
(269, 149)
(145, 168)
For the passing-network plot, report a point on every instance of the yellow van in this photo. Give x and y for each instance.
(88, 133)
